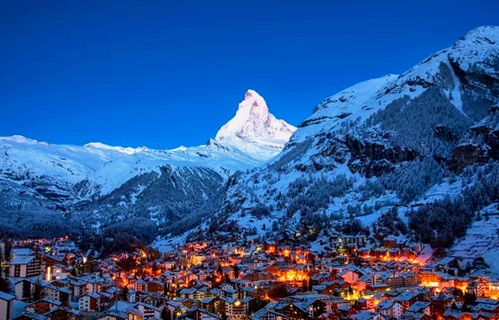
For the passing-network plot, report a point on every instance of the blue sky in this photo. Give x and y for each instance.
(166, 73)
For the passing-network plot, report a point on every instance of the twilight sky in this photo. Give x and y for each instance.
(167, 73)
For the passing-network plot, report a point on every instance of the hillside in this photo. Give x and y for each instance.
(421, 146)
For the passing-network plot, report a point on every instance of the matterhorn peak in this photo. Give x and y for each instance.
(254, 127)
(253, 99)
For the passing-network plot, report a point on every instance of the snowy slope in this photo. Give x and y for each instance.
(358, 101)
(249, 139)
(96, 186)
(105, 167)
(380, 144)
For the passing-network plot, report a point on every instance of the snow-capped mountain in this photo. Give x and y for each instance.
(120, 182)
(254, 130)
(416, 151)
(425, 139)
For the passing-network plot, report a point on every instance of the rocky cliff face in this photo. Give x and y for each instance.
(482, 147)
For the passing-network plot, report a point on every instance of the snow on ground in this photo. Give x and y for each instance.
(169, 245)
(439, 191)
(357, 100)
(425, 254)
(481, 239)
(492, 259)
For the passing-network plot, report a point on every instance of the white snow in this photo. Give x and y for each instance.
(248, 140)
(357, 102)
(254, 130)
(164, 245)
(481, 239)
(477, 49)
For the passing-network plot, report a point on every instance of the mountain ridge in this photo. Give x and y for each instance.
(412, 144)
(109, 184)
(410, 147)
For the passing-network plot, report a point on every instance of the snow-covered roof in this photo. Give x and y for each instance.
(22, 259)
(6, 296)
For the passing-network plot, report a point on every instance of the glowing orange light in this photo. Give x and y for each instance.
(293, 275)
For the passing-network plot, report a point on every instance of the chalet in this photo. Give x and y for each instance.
(367, 315)
(390, 309)
(210, 304)
(475, 288)
(187, 293)
(292, 310)
(198, 314)
(76, 286)
(51, 260)
(407, 298)
(174, 308)
(24, 289)
(358, 240)
(113, 315)
(6, 305)
(320, 278)
(30, 316)
(228, 292)
(421, 307)
(21, 252)
(56, 272)
(43, 306)
(149, 311)
(244, 292)
(106, 300)
(380, 253)
(154, 286)
(445, 264)
(256, 276)
(444, 301)
(349, 276)
(89, 302)
(314, 307)
(152, 299)
(24, 266)
(92, 284)
(63, 314)
(235, 308)
(265, 314)
(451, 314)
(365, 304)
(138, 284)
(390, 241)
(345, 311)
(403, 279)
(394, 253)
(57, 293)
(483, 308)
